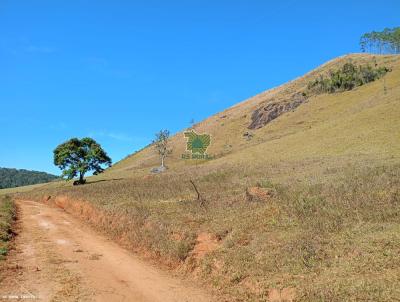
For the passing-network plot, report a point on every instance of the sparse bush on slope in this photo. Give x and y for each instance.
(346, 78)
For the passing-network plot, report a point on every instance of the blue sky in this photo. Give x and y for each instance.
(119, 71)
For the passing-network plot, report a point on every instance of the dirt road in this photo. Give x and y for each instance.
(60, 259)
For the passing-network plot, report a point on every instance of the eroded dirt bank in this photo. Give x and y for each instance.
(57, 258)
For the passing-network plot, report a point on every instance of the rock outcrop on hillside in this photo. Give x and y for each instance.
(273, 109)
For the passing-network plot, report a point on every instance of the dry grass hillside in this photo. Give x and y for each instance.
(305, 208)
(361, 124)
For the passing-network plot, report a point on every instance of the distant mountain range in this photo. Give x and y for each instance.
(10, 178)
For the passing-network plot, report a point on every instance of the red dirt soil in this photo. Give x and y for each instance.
(57, 258)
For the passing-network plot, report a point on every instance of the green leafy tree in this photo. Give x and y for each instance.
(76, 157)
(385, 41)
(161, 144)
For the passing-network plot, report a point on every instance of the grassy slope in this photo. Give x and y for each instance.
(360, 122)
(331, 231)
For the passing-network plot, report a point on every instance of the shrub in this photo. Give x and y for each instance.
(7, 216)
(346, 78)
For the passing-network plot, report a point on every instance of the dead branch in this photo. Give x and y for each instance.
(199, 197)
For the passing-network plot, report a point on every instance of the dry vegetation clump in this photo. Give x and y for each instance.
(8, 214)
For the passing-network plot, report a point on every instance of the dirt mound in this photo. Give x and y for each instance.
(259, 194)
(205, 243)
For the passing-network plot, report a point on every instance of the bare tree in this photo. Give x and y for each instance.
(161, 144)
